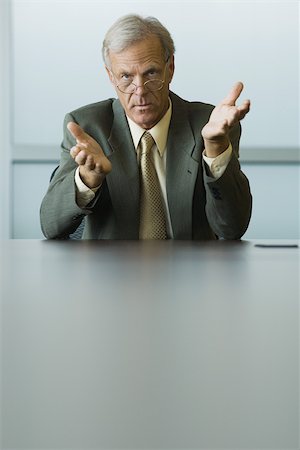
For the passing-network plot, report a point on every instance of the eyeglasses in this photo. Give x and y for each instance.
(150, 85)
(128, 87)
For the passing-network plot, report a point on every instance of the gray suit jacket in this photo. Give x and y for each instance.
(200, 206)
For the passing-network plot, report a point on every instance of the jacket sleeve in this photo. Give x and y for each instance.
(228, 199)
(59, 213)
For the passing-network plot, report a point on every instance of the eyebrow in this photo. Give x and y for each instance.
(124, 71)
(152, 69)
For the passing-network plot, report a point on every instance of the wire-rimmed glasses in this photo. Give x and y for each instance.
(128, 87)
(150, 85)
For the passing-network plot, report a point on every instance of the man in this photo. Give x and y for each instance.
(179, 180)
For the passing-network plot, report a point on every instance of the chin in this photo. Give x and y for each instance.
(144, 120)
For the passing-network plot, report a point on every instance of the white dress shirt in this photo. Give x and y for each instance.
(159, 133)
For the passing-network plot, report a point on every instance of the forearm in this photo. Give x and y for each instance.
(59, 214)
(229, 202)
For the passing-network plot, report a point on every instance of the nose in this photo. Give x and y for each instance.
(140, 89)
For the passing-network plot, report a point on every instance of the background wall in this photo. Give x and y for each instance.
(4, 120)
(55, 66)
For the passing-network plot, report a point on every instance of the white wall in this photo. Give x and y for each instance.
(275, 191)
(4, 120)
(58, 67)
(27, 197)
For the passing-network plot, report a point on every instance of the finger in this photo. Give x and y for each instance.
(245, 106)
(75, 150)
(103, 166)
(90, 163)
(77, 132)
(81, 158)
(234, 94)
(243, 109)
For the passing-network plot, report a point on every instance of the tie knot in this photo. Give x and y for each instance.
(147, 142)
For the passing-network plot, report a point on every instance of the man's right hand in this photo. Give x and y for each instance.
(87, 153)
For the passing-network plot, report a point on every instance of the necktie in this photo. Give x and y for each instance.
(152, 214)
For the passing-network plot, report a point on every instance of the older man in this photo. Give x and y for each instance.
(149, 165)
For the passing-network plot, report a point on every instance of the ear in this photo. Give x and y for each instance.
(171, 68)
(110, 75)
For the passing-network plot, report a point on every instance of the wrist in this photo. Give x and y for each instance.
(214, 148)
(91, 181)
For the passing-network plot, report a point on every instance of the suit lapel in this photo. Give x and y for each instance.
(182, 170)
(123, 181)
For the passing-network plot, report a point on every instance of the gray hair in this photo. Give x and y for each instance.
(133, 28)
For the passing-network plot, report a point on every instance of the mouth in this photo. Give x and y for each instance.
(145, 106)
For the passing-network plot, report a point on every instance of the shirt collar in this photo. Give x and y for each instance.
(159, 132)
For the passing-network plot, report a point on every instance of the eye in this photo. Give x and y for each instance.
(152, 73)
(126, 77)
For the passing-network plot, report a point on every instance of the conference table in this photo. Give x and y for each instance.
(150, 345)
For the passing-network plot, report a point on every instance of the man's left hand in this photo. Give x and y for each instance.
(223, 117)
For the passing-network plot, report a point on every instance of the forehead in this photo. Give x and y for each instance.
(146, 51)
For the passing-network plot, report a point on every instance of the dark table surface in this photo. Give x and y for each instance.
(149, 345)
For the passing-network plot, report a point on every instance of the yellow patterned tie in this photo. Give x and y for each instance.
(152, 214)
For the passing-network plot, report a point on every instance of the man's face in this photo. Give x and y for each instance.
(140, 62)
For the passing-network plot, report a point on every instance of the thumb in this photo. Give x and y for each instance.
(234, 94)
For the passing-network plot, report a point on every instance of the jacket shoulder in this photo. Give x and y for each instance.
(95, 118)
(98, 109)
(191, 106)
